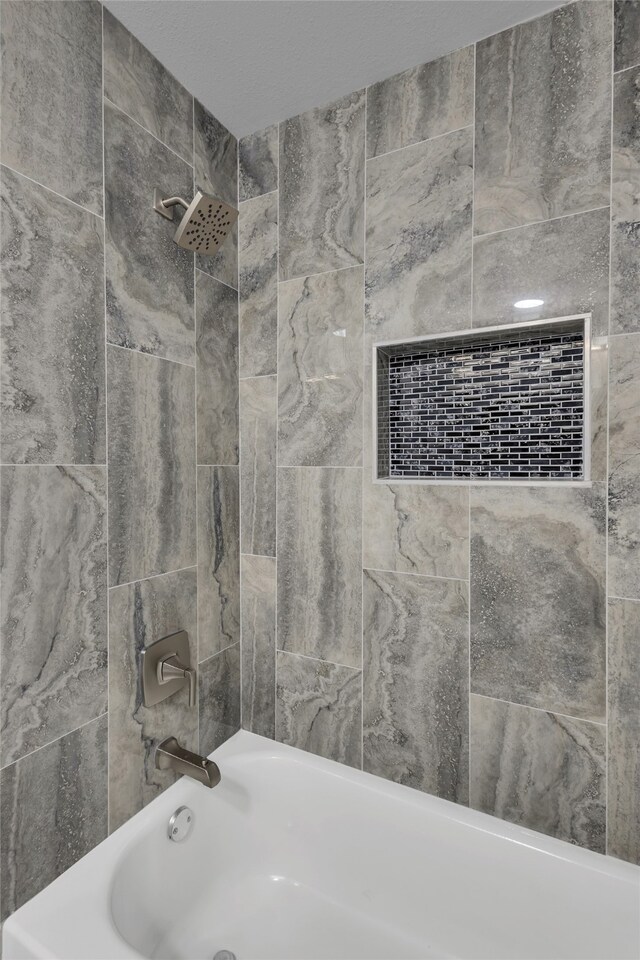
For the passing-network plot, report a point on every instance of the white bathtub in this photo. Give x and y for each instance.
(295, 857)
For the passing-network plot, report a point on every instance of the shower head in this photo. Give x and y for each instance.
(205, 223)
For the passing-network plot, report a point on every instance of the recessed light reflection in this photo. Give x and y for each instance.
(340, 333)
(528, 304)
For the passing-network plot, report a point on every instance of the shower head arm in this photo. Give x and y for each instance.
(164, 206)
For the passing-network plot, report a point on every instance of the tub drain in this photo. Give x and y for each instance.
(224, 955)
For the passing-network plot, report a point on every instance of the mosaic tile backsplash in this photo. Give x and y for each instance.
(506, 408)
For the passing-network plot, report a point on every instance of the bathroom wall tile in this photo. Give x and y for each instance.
(258, 285)
(319, 708)
(417, 529)
(52, 52)
(152, 476)
(54, 810)
(539, 770)
(423, 102)
(218, 559)
(258, 644)
(322, 188)
(543, 114)
(624, 464)
(419, 202)
(258, 163)
(625, 203)
(216, 370)
(219, 698)
(320, 563)
(320, 370)
(54, 603)
(139, 84)
(623, 809)
(416, 682)
(626, 33)
(564, 262)
(139, 614)
(538, 597)
(258, 414)
(599, 374)
(53, 407)
(216, 173)
(149, 277)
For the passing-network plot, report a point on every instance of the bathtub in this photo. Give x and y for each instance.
(294, 857)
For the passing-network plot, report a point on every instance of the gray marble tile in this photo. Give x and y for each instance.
(426, 101)
(149, 277)
(626, 33)
(623, 807)
(319, 708)
(599, 407)
(320, 563)
(543, 115)
(258, 442)
(538, 597)
(54, 810)
(139, 84)
(539, 770)
(322, 188)
(563, 262)
(624, 466)
(258, 644)
(258, 285)
(219, 698)
(625, 203)
(52, 284)
(416, 682)
(419, 204)
(152, 474)
(52, 55)
(216, 370)
(216, 173)
(320, 370)
(139, 614)
(218, 559)
(258, 163)
(54, 604)
(415, 528)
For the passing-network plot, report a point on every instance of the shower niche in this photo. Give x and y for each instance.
(506, 403)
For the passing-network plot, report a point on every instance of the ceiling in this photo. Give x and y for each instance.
(255, 62)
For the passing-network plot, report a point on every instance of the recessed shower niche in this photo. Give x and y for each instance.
(504, 403)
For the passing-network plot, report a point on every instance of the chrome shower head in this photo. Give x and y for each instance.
(205, 224)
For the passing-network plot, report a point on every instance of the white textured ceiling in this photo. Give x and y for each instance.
(255, 62)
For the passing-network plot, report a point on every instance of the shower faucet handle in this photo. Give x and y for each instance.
(165, 667)
(171, 668)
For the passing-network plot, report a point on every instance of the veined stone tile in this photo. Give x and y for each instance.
(152, 474)
(51, 54)
(218, 559)
(543, 116)
(624, 466)
(141, 86)
(216, 370)
(539, 770)
(139, 614)
(416, 682)
(419, 203)
(54, 810)
(626, 33)
(258, 285)
(623, 810)
(625, 203)
(420, 103)
(599, 406)
(563, 262)
(319, 708)
(320, 328)
(219, 698)
(54, 604)
(320, 563)
(322, 188)
(53, 408)
(538, 597)
(258, 644)
(216, 173)
(149, 277)
(258, 163)
(258, 437)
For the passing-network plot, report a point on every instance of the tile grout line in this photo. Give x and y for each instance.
(55, 193)
(320, 273)
(152, 356)
(240, 591)
(211, 276)
(419, 143)
(117, 107)
(152, 576)
(218, 653)
(633, 66)
(364, 419)
(473, 214)
(106, 429)
(277, 451)
(422, 576)
(528, 706)
(258, 196)
(537, 223)
(305, 656)
(195, 426)
(62, 736)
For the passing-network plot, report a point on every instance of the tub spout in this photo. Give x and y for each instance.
(171, 756)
